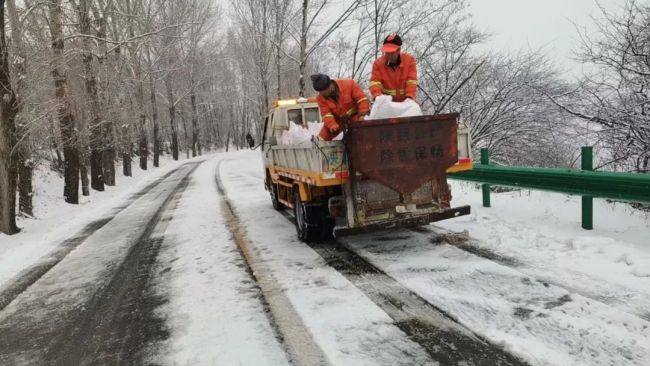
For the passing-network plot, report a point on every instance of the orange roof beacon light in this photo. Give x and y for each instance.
(287, 102)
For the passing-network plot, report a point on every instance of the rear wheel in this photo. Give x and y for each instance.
(309, 222)
(274, 198)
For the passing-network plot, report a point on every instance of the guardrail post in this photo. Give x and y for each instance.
(587, 201)
(485, 160)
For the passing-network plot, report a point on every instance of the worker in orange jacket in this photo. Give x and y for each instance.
(341, 102)
(395, 73)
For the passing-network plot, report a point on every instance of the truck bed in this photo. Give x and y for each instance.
(320, 161)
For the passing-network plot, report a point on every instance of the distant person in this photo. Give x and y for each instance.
(395, 73)
(341, 102)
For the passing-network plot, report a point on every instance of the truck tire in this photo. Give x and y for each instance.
(277, 205)
(309, 226)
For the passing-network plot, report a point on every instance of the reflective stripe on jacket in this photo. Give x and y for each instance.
(400, 82)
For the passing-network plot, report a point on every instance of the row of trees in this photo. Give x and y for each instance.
(519, 104)
(88, 84)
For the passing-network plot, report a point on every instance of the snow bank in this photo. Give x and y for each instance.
(57, 221)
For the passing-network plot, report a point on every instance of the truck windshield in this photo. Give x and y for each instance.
(295, 116)
(312, 115)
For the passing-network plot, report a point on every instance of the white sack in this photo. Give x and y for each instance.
(296, 134)
(384, 107)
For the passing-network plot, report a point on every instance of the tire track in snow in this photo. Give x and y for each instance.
(61, 322)
(541, 323)
(472, 246)
(27, 277)
(119, 323)
(439, 333)
(291, 333)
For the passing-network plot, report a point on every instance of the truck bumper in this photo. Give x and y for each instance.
(410, 221)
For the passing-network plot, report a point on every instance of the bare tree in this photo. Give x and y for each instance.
(614, 93)
(23, 156)
(8, 174)
(96, 120)
(308, 21)
(64, 109)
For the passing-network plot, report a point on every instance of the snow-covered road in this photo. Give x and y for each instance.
(201, 270)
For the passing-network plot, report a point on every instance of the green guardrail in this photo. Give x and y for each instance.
(632, 187)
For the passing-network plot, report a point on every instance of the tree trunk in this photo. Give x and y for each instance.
(64, 109)
(186, 138)
(8, 174)
(83, 172)
(108, 164)
(127, 151)
(228, 140)
(95, 125)
(143, 141)
(154, 119)
(195, 125)
(25, 187)
(143, 145)
(58, 165)
(303, 48)
(126, 162)
(172, 117)
(24, 162)
(108, 125)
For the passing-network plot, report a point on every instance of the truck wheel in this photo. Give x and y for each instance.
(308, 227)
(274, 198)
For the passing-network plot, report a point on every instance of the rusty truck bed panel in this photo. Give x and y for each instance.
(404, 153)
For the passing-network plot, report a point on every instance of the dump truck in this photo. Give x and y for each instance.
(383, 174)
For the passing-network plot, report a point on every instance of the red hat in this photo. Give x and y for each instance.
(392, 43)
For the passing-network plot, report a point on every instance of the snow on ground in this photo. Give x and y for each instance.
(69, 284)
(553, 293)
(214, 311)
(56, 221)
(542, 232)
(345, 324)
(543, 323)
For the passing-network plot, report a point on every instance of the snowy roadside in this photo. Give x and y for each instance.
(553, 293)
(60, 296)
(541, 232)
(57, 221)
(348, 327)
(214, 313)
(543, 323)
(540, 285)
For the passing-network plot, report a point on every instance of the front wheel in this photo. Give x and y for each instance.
(308, 226)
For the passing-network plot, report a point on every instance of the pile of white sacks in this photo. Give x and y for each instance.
(383, 107)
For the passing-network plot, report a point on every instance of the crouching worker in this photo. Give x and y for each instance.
(341, 102)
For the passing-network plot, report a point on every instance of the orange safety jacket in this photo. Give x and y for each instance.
(351, 104)
(400, 82)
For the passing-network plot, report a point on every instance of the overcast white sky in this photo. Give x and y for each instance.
(531, 24)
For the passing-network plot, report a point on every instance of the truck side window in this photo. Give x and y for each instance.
(312, 115)
(279, 122)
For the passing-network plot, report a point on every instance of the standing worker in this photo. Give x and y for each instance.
(395, 73)
(341, 102)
